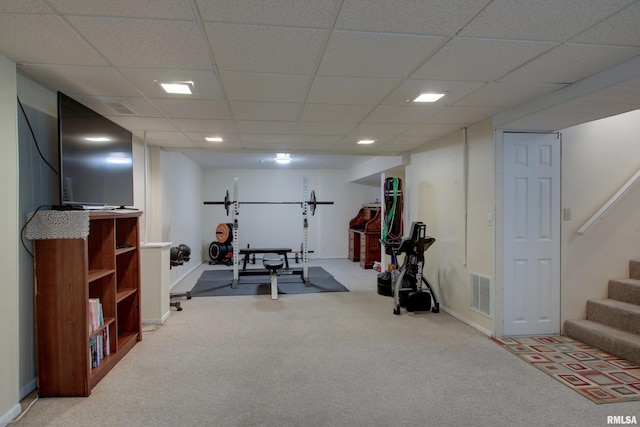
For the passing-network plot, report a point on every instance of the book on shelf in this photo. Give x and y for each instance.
(99, 347)
(98, 339)
(96, 317)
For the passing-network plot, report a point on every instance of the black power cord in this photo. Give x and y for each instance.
(35, 141)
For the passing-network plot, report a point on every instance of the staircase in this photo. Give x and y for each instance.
(613, 324)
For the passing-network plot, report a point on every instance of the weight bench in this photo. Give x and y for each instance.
(273, 262)
(279, 251)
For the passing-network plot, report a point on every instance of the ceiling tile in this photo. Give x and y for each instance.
(438, 17)
(268, 127)
(165, 9)
(278, 111)
(349, 90)
(193, 108)
(325, 128)
(203, 125)
(270, 146)
(334, 113)
(316, 13)
(24, 6)
(402, 114)
(620, 29)
(279, 74)
(105, 105)
(150, 43)
(76, 80)
(375, 55)
(569, 63)
(253, 48)
(479, 60)
(50, 41)
(315, 140)
(539, 19)
(265, 87)
(432, 130)
(169, 139)
(507, 95)
(149, 124)
(380, 130)
(408, 142)
(462, 115)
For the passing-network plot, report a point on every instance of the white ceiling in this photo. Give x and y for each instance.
(313, 76)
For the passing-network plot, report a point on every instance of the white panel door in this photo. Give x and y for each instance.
(531, 234)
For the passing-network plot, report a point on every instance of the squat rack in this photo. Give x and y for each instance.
(309, 204)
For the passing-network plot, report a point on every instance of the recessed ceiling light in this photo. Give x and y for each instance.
(429, 97)
(366, 141)
(180, 88)
(214, 139)
(283, 158)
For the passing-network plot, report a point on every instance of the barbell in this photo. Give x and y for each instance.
(312, 203)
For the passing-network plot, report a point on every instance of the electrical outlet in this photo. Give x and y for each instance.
(490, 219)
(566, 214)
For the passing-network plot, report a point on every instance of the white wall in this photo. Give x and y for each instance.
(38, 186)
(435, 188)
(178, 194)
(9, 230)
(282, 225)
(597, 159)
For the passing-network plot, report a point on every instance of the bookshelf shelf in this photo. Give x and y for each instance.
(98, 274)
(124, 294)
(67, 274)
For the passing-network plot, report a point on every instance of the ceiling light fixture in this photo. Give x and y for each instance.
(283, 158)
(180, 88)
(366, 141)
(213, 139)
(428, 97)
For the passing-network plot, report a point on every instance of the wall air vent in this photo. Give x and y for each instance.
(119, 107)
(480, 293)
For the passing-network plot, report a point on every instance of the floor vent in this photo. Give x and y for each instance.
(480, 293)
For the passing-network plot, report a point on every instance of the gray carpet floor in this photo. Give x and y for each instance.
(325, 359)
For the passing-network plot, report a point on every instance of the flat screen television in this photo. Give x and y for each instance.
(96, 158)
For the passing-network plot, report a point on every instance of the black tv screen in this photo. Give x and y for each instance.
(96, 161)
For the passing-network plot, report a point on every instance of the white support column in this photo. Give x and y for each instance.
(305, 224)
(235, 242)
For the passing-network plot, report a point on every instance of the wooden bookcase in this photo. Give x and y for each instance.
(67, 272)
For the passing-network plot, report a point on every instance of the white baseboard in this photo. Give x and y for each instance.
(160, 321)
(463, 320)
(179, 279)
(10, 415)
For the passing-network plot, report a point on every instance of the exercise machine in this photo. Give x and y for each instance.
(309, 204)
(410, 277)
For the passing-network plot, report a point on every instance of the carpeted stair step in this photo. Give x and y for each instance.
(634, 269)
(627, 290)
(618, 314)
(619, 343)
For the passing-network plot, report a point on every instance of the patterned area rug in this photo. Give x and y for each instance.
(596, 375)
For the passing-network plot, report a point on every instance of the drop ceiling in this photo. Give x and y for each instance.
(312, 77)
